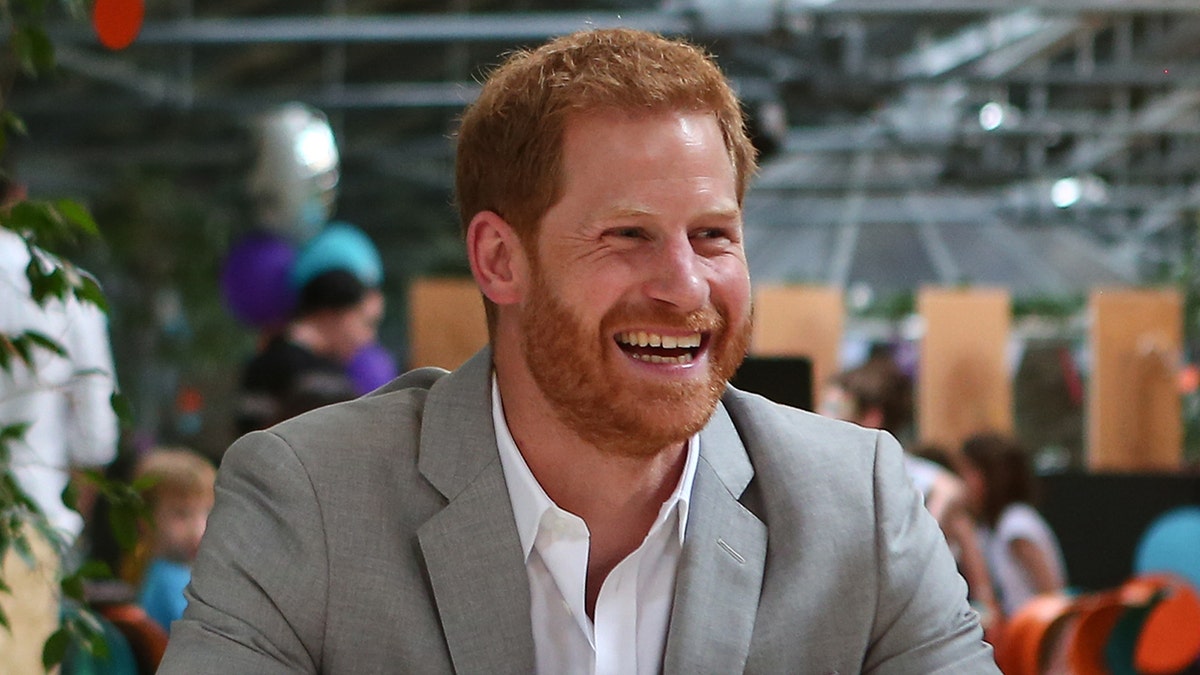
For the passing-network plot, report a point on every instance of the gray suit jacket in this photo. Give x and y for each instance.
(377, 536)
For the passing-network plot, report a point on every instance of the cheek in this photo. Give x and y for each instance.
(732, 291)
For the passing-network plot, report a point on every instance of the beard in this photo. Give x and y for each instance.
(603, 404)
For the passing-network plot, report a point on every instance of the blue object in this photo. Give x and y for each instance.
(161, 594)
(1172, 544)
(340, 246)
(254, 280)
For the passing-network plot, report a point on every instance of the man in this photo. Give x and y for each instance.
(586, 495)
(878, 395)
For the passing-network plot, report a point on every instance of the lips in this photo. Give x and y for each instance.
(658, 348)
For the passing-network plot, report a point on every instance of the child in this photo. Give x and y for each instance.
(179, 497)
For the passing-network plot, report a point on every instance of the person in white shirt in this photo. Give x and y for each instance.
(1022, 551)
(66, 402)
(586, 495)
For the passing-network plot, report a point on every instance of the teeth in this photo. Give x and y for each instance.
(644, 339)
(672, 360)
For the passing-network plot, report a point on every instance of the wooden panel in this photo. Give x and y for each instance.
(963, 387)
(1133, 406)
(446, 322)
(800, 321)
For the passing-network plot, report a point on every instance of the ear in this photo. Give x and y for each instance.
(497, 258)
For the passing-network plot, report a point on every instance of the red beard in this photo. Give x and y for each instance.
(599, 401)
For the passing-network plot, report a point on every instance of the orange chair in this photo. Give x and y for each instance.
(1035, 633)
(1170, 637)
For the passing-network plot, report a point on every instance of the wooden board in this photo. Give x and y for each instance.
(963, 386)
(446, 322)
(800, 321)
(1134, 416)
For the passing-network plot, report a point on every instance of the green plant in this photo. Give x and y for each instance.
(46, 226)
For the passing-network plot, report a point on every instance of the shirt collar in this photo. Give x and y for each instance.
(530, 502)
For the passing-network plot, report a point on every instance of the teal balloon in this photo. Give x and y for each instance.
(1172, 544)
(339, 246)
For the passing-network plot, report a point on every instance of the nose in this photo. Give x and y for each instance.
(677, 275)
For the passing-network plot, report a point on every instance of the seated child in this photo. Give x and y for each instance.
(179, 497)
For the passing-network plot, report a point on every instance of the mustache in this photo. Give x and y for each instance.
(704, 320)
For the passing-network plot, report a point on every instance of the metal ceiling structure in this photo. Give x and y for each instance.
(1045, 146)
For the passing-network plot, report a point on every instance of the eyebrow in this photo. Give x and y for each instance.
(619, 212)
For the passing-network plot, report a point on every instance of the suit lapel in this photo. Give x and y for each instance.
(724, 552)
(471, 547)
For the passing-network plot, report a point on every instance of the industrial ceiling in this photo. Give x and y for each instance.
(1043, 146)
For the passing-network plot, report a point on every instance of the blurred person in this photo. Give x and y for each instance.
(179, 498)
(1022, 551)
(585, 495)
(878, 395)
(304, 366)
(65, 399)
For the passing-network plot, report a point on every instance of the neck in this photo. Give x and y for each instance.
(307, 334)
(618, 496)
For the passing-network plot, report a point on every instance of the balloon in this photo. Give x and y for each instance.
(118, 22)
(340, 246)
(294, 180)
(254, 280)
(1172, 544)
(370, 368)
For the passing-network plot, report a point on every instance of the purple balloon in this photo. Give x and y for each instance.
(370, 368)
(254, 280)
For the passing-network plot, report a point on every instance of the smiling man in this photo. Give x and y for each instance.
(587, 495)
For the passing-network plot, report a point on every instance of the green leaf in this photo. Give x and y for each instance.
(123, 521)
(72, 587)
(95, 569)
(143, 483)
(45, 342)
(21, 545)
(4, 620)
(22, 48)
(121, 406)
(56, 648)
(70, 496)
(20, 345)
(89, 290)
(12, 122)
(41, 49)
(14, 432)
(77, 214)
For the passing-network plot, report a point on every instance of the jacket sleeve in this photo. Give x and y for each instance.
(923, 623)
(258, 593)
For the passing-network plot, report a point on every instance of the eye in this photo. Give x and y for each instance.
(712, 233)
(626, 233)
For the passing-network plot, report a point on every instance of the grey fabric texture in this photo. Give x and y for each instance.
(377, 536)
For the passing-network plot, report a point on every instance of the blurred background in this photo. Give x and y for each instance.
(1042, 149)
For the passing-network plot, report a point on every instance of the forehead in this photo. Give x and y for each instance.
(669, 144)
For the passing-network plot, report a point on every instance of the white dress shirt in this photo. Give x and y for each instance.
(633, 609)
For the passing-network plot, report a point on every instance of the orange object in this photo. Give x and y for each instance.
(117, 22)
(1098, 614)
(147, 639)
(1170, 637)
(1030, 636)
